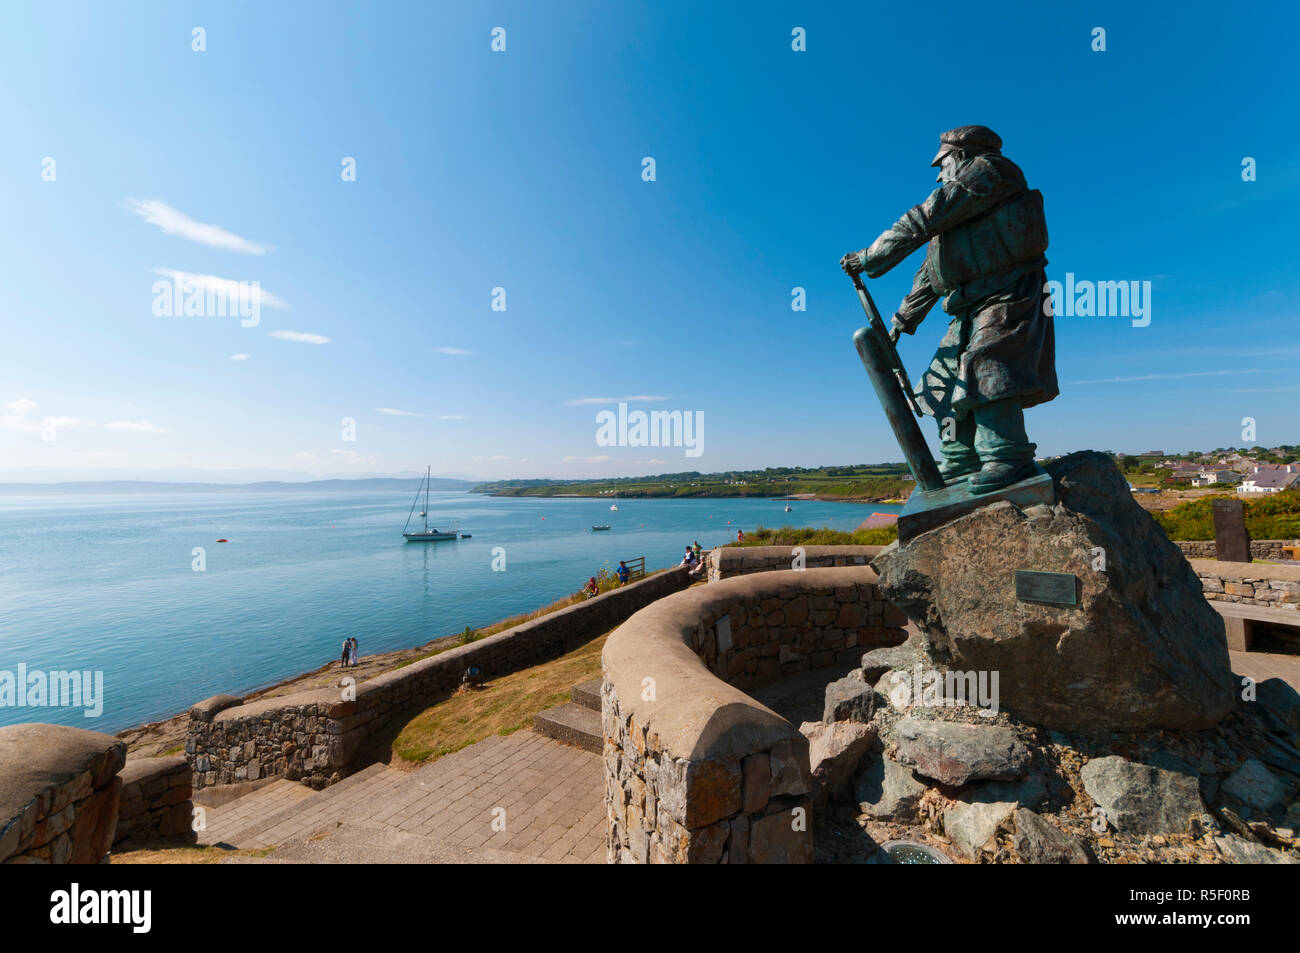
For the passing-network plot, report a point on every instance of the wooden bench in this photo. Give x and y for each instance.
(1239, 619)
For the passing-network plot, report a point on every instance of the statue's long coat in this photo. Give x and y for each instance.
(986, 238)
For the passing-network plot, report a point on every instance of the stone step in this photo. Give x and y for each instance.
(243, 822)
(225, 823)
(587, 694)
(573, 725)
(319, 808)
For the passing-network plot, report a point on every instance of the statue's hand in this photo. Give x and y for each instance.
(895, 332)
(854, 262)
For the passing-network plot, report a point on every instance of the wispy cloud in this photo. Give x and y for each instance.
(452, 350)
(228, 288)
(1165, 377)
(138, 426)
(17, 417)
(304, 455)
(394, 412)
(175, 222)
(643, 399)
(300, 336)
(452, 417)
(603, 458)
(240, 357)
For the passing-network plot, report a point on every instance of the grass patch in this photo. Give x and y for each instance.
(183, 855)
(502, 707)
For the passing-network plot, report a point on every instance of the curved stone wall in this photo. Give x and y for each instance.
(59, 790)
(697, 771)
(728, 561)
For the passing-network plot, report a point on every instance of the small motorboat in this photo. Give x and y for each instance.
(597, 529)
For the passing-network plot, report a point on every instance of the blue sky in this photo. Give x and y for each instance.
(522, 169)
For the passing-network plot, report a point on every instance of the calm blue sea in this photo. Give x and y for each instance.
(105, 582)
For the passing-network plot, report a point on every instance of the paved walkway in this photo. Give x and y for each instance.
(1262, 665)
(517, 799)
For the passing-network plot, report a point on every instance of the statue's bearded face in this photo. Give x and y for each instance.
(948, 166)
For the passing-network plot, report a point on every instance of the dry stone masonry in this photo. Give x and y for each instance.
(696, 770)
(155, 803)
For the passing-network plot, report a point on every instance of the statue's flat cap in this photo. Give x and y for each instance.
(972, 139)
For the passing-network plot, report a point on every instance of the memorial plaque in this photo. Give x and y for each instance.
(1052, 588)
(1231, 541)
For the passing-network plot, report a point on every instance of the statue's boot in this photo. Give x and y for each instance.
(1005, 453)
(959, 457)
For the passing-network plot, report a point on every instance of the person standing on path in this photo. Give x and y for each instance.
(347, 650)
(354, 651)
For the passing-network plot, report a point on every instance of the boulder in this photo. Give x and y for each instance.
(1039, 842)
(879, 661)
(834, 752)
(1237, 850)
(1281, 701)
(1140, 648)
(954, 753)
(887, 790)
(1157, 797)
(849, 699)
(1254, 785)
(969, 826)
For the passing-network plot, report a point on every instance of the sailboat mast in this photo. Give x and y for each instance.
(427, 471)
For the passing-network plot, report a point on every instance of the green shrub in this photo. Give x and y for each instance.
(1275, 516)
(805, 536)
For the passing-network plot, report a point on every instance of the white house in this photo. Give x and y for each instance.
(1268, 481)
(1207, 477)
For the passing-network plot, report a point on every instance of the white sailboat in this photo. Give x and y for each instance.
(613, 507)
(428, 534)
(788, 507)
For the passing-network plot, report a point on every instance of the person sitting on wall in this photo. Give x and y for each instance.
(624, 574)
(689, 559)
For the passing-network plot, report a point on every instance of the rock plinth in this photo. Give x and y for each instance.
(1140, 648)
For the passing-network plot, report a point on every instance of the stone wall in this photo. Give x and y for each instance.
(1277, 587)
(696, 771)
(728, 561)
(155, 803)
(59, 790)
(1259, 548)
(315, 736)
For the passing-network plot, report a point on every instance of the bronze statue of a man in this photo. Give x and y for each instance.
(987, 237)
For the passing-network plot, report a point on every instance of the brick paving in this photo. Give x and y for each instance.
(517, 799)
